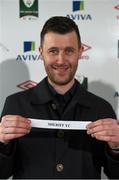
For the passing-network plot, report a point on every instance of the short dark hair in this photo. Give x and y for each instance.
(61, 25)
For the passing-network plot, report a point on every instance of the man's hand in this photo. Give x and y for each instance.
(13, 126)
(106, 130)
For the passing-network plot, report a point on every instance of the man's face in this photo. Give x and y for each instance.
(60, 54)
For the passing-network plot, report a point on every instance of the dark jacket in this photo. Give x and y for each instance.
(57, 154)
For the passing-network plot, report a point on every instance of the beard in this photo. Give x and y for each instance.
(60, 74)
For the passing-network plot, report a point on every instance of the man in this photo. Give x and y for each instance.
(28, 152)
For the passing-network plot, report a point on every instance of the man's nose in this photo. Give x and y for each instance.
(61, 58)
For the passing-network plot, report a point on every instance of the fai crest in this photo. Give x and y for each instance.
(28, 3)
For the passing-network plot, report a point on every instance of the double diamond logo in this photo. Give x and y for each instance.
(27, 84)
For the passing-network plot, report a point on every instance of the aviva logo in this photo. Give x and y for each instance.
(77, 5)
(78, 13)
(29, 46)
(29, 53)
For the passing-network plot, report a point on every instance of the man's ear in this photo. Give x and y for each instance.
(40, 51)
(81, 49)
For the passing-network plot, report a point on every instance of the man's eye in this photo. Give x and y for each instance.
(69, 51)
(53, 51)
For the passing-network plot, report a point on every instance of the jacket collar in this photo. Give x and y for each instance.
(82, 96)
(41, 94)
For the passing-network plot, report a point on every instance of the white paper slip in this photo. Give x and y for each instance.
(55, 124)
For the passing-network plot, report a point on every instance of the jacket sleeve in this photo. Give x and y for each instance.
(111, 165)
(6, 160)
(111, 161)
(7, 151)
(10, 106)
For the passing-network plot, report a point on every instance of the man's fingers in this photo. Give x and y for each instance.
(14, 130)
(104, 129)
(16, 123)
(103, 125)
(14, 117)
(13, 126)
(102, 122)
(8, 137)
(106, 138)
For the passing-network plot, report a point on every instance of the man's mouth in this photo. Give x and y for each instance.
(60, 68)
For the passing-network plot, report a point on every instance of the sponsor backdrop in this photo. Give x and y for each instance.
(20, 25)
